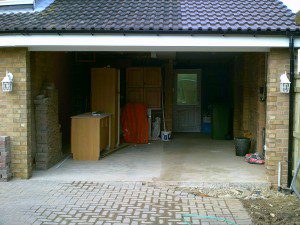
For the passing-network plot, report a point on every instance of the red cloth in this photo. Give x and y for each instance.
(135, 123)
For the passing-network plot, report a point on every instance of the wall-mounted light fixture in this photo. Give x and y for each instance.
(284, 83)
(7, 82)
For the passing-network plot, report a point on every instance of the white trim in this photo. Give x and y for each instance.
(16, 2)
(117, 42)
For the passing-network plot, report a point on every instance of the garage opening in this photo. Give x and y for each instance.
(105, 113)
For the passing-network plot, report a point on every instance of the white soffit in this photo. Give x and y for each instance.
(105, 42)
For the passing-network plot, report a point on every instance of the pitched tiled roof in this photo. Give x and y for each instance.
(155, 15)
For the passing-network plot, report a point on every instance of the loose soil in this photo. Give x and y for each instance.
(263, 205)
(274, 210)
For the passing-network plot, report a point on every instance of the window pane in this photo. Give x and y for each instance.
(187, 89)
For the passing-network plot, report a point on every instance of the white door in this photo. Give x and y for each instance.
(187, 101)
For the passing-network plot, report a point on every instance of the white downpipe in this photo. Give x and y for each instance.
(279, 177)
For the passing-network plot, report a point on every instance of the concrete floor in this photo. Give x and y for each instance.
(188, 158)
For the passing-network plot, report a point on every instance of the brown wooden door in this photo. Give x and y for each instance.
(105, 97)
(152, 77)
(152, 97)
(134, 77)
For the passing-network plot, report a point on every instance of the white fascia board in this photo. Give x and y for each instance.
(16, 2)
(117, 42)
(297, 42)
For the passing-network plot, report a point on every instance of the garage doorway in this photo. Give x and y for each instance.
(191, 84)
(187, 101)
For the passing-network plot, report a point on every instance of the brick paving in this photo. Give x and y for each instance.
(49, 202)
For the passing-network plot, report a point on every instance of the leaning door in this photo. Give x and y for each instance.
(187, 101)
(296, 133)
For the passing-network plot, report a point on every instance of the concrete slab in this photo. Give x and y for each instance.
(192, 159)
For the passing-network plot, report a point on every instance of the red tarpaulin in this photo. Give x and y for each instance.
(135, 123)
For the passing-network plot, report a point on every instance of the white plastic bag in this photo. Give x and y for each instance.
(156, 128)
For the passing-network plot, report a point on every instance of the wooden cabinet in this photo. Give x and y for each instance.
(105, 97)
(89, 135)
(152, 97)
(143, 85)
(152, 77)
(134, 95)
(134, 77)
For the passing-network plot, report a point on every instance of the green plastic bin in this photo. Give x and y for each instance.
(220, 121)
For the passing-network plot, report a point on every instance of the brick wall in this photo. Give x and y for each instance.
(277, 129)
(15, 109)
(54, 68)
(249, 111)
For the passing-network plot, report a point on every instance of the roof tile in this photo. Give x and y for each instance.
(154, 15)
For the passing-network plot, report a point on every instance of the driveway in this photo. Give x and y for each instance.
(52, 202)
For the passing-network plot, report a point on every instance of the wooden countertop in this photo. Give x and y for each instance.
(89, 115)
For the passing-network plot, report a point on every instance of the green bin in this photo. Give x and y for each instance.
(220, 121)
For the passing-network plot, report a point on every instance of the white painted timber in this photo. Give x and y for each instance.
(16, 2)
(113, 42)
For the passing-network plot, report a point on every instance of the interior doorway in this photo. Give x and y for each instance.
(187, 101)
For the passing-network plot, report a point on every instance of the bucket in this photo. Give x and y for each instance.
(165, 135)
(242, 146)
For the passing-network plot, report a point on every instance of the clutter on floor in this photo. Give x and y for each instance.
(155, 129)
(254, 158)
(242, 146)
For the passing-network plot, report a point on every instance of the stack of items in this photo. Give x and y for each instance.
(5, 159)
(48, 135)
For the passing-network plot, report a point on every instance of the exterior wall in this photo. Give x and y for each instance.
(277, 130)
(249, 110)
(15, 109)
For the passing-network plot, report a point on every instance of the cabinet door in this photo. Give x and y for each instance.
(152, 77)
(152, 97)
(134, 95)
(134, 77)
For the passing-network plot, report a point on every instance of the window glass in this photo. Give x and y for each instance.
(187, 89)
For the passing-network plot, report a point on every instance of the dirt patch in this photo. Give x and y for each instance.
(265, 206)
(283, 209)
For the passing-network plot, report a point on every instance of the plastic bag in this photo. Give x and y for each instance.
(156, 128)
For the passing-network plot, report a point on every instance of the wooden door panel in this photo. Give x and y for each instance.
(134, 77)
(296, 132)
(152, 77)
(152, 97)
(134, 95)
(105, 96)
